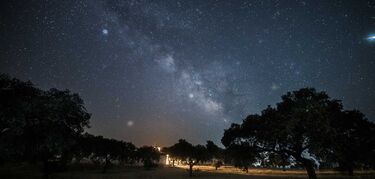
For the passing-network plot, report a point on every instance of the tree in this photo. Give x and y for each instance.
(39, 125)
(148, 155)
(185, 151)
(127, 153)
(103, 151)
(84, 147)
(65, 119)
(215, 153)
(298, 126)
(212, 149)
(218, 164)
(200, 154)
(181, 150)
(275, 160)
(354, 141)
(17, 104)
(242, 155)
(170, 151)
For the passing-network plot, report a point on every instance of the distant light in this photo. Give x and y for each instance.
(167, 160)
(105, 31)
(191, 95)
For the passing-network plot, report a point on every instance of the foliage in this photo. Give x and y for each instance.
(215, 153)
(148, 155)
(189, 153)
(104, 151)
(38, 125)
(47, 126)
(276, 160)
(353, 144)
(304, 125)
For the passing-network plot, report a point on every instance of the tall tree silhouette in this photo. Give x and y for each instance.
(354, 144)
(215, 153)
(189, 153)
(148, 155)
(39, 125)
(303, 125)
(242, 155)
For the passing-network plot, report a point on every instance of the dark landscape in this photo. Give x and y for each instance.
(168, 89)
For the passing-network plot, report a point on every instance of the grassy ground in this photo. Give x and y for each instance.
(202, 172)
(276, 173)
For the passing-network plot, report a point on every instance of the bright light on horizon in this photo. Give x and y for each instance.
(167, 160)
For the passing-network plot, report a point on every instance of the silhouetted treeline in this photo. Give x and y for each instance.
(307, 128)
(47, 127)
(192, 155)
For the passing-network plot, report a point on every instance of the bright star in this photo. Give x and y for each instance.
(105, 31)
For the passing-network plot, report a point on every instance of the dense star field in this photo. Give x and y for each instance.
(151, 72)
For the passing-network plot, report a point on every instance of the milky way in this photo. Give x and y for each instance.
(151, 72)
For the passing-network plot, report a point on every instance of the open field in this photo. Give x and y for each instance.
(278, 173)
(171, 173)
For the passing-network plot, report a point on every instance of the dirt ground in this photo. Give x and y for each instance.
(201, 172)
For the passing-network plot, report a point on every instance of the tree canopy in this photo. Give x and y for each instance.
(191, 154)
(37, 124)
(47, 126)
(148, 155)
(305, 125)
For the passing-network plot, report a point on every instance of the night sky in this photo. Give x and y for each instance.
(151, 72)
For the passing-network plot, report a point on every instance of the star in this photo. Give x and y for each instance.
(105, 31)
(134, 63)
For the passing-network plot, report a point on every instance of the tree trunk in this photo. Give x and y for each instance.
(190, 170)
(106, 165)
(246, 169)
(350, 169)
(309, 166)
(347, 166)
(46, 169)
(311, 171)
